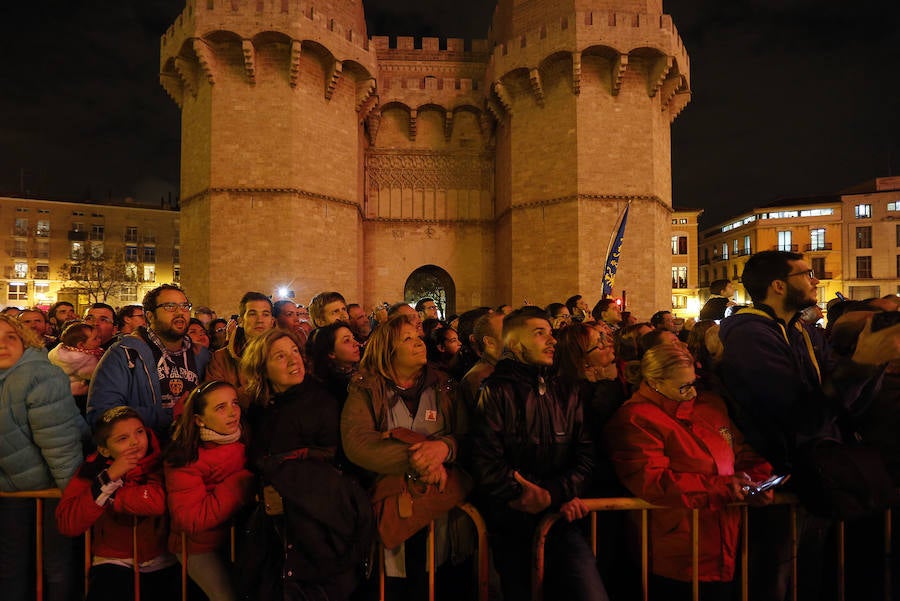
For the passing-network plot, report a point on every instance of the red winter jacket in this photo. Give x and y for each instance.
(142, 495)
(205, 494)
(682, 454)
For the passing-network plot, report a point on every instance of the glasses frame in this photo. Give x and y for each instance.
(171, 307)
(683, 389)
(808, 272)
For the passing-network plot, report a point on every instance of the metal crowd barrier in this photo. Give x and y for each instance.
(482, 556)
(40, 495)
(633, 504)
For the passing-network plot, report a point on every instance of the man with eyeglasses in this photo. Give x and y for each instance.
(154, 368)
(776, 373)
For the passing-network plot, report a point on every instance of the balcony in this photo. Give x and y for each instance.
(744, 252)
(792, 248)
(704, 261)
(821, 246)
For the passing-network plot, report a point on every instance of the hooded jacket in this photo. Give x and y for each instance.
(783, 386)
(142, 495)
(127, 375)
(683, 455)
(40, 427)
(532, 424)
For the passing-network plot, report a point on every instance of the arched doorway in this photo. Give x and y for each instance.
(433, 282)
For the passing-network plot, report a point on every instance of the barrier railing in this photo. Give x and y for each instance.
(40, 495)
(633, 504)
(482, 560)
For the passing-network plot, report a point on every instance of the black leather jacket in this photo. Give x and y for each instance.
(529, 423)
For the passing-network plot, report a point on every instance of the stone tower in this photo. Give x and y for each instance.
(584, 92)
(271, 157)
(317, 158)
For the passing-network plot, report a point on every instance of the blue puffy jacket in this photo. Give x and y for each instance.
(41, 429)
(126, 375)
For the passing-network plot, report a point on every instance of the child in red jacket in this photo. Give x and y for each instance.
(120, 485)
(207, 482)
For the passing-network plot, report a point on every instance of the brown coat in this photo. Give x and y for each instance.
(365, 418)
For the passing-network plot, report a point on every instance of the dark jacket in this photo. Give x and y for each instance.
(328, 518)
(532, 424)
(783, 386)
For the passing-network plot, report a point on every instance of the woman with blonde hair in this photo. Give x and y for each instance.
(295, 421)
(396, 389)
(675, 446)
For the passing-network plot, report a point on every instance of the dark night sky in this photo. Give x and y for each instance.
(790, 97)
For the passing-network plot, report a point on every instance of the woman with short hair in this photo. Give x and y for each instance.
(675, 446)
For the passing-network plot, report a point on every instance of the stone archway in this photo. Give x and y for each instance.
(434, 282)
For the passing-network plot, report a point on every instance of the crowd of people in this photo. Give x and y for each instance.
(319, 429)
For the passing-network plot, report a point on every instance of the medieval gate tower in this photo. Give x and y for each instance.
(315, 157)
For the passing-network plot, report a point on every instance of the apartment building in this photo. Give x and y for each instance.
(812, 226)
(685, 278)
(45, 234)
(871, 236)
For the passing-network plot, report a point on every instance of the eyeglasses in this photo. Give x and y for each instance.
(684, 388)
(170, 307)
(219, 330)
(809, 272)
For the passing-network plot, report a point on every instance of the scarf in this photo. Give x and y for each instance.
(207, 435)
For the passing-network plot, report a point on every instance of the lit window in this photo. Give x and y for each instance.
(817, 239)
(863, 211)
(784, 241)
(149, 273)
(17, 291)
(20, 270)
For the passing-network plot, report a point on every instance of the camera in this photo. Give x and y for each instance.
(885, 319)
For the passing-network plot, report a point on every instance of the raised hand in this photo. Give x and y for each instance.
(534, 499)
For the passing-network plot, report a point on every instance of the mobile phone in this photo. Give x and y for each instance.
(234, 317)
(840, 296)
(758, 487)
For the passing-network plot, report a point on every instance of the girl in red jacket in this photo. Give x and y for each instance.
(207, 482)
(119, 484)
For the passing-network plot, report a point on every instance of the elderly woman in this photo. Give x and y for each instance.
(397, 389)
(296, 435)
(41, 432)
(673, 446)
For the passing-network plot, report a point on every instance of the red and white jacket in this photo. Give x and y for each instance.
(682, 455)
(204, 495)
(142, 494)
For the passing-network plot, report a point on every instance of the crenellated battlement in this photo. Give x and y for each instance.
(404, 48)
(298, 19)
(620, 31)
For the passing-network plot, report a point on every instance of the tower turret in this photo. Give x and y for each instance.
(584, 92)
(273, 94)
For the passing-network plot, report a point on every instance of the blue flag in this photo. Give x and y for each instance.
(612, 257)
